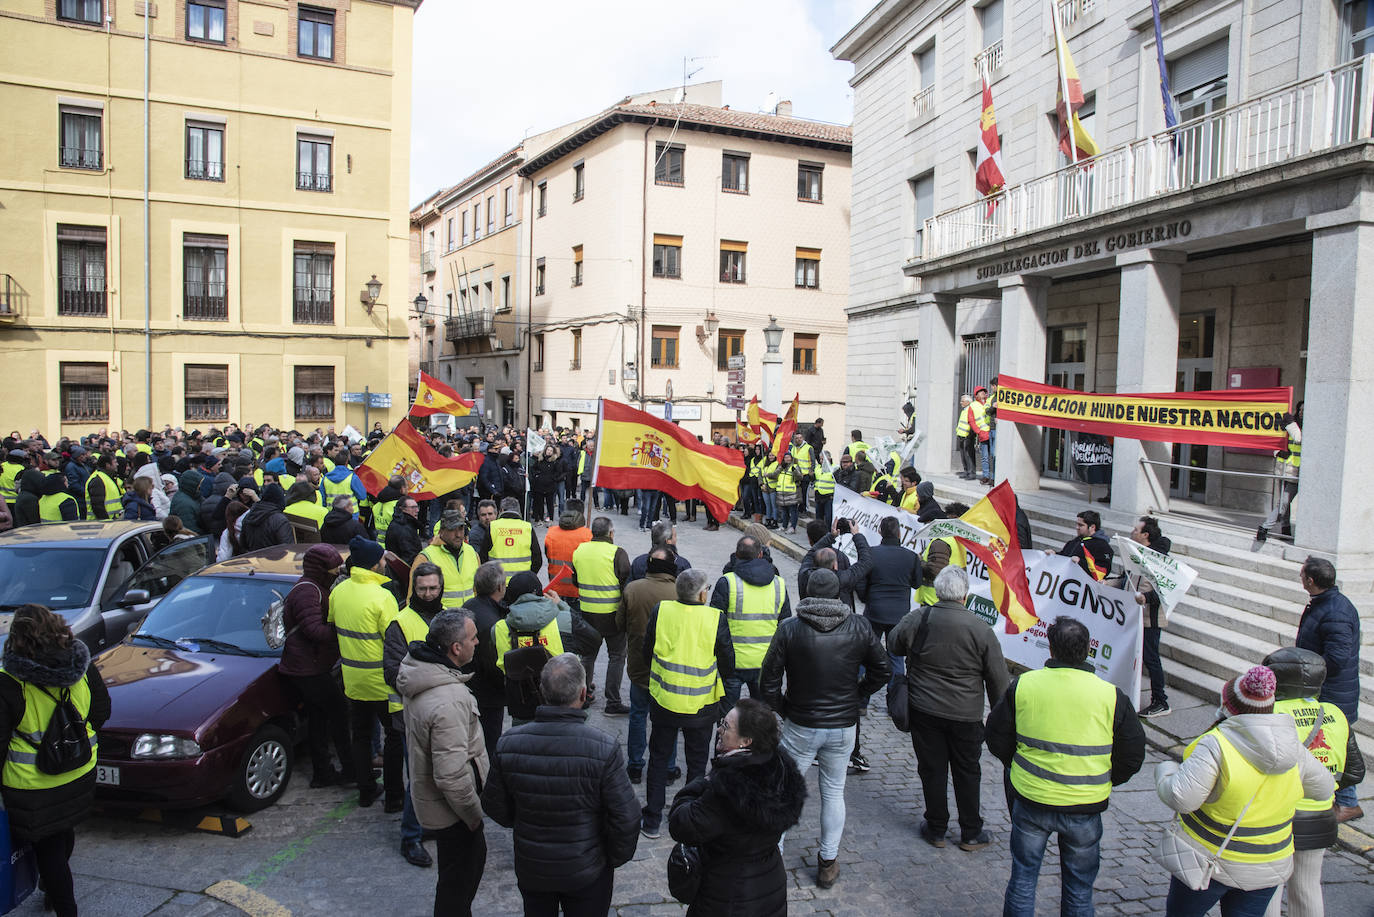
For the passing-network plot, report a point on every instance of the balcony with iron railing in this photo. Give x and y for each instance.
(73, 300)
(429, 260)
(1072, 12)
(314, 181)
(470, 325)
(81, 157)
(313, 307)
(923, 102)
(204, 302)
(204, 170)
(8, 308)
(1310, 116)
(987, 63)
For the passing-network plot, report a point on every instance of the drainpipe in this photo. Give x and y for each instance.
(641, 369)
(147, 234)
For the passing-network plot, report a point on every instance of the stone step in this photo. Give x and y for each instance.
(1239, 631)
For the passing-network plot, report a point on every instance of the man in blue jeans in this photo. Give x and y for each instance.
(833, 661)
(639, 600)
(1067, 737)
(753, 597)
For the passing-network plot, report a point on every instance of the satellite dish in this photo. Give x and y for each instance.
(770, 102)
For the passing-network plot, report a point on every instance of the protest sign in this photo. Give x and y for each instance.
(1169, 576)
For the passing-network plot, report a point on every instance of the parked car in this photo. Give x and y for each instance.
(200, 712)
(102, 577)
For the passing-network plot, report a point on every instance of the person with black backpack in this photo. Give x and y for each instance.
(538, 627)
(52, 702)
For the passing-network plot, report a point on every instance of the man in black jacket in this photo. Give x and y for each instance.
(1089, 547)
(265, 525)
(565, 853)
(340, 525)
(886, 591)
(824, 556)
(823, 651)
(403, 537)
(488, 684)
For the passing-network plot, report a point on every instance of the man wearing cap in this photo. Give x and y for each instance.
(455, 557)
(981, 429)
(361, 608)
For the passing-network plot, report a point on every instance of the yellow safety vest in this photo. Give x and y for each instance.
(458, 571)
(9, 480)
(961, 429)
(979, 416)
(1294, 454)
(21, 763)
(880, 479)
(855, 448)
(683, 676)
(50, 506)
(334, 488)
(512, 544)
(1265, 834)
(1326, 741)
(381, 518)
(804, 457)
(785, 483)
(825, 483)
(307, 510)
(360, 608)
(414, 628)
(549, 636)
(144, 448)
(925, 594)
(910, 501)
(114, 508)
(1063, 737)
(752, 614)
(257, 477)
(598, 589)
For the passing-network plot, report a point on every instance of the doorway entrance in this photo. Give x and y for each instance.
(1066, 366)
(1196, 372)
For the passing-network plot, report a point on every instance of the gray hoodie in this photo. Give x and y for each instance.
(1268, 741)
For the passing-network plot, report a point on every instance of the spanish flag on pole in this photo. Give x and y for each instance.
(428, 475)
(782, 441)
(996, 514)
(761, 420)
(636, 450)
(434, 397)
(1070, 87)
(744, 433)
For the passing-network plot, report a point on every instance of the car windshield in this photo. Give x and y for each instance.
(56, 577)
(215, 614)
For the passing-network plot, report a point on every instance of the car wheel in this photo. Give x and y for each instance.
(263, 771)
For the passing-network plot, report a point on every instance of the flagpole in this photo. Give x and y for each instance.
(1064, 84)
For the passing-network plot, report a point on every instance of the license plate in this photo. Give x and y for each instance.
(104, 774)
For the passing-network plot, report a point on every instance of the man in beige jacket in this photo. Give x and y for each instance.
(448, 757)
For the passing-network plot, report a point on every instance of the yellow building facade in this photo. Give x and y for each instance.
(277, 148)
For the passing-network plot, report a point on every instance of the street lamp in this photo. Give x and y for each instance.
(372, 293)
(772, 334)
(772, 366)
(421, 304)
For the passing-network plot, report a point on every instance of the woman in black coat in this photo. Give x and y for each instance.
(544, 473)
(737, 815)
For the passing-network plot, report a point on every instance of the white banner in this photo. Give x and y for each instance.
(1059, 587)
(1169, 576)
(534, 443)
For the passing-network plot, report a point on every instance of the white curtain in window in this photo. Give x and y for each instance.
(324, 40)
(95, 269)
(323, 278)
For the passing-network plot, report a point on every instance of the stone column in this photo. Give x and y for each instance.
(936, 397)
(1021, 353)
(1147, 361)
(1334, 511)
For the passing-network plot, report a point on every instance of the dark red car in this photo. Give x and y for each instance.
(200, 712)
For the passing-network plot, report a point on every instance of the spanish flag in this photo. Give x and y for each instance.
(744, 434)
(996, 514)
(635, 450)
(428, 475)
(761, 420)
(434, 397)
(1070, 88)
(783, 440)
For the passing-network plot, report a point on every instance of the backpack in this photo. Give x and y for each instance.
(274, 632)
(524, 664)
(65, 746)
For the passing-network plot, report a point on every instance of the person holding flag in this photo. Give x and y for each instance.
(995, 515)
(1089, 547)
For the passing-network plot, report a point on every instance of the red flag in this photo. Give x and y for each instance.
(434, 397)
(996, 514)
(988, 178)
(783, 440)
(428, 475)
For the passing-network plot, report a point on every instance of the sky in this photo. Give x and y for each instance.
(488, 74)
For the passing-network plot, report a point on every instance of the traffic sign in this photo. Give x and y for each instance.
(734, 391)
(371, 399)
(735, 362)
(735, 376)
(735, 404)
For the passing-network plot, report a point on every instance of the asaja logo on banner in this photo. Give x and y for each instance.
(648, 452)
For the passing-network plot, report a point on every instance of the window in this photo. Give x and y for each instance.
(923, 199)
(923, 101)
(491, 214)
(315, 38)
(909, 369)
(85, 391)
(809, 181)
(313, 161)
(87, 11)
(314, 285)
(576, 349)
(543, 198)
(314, 393)
(579, 181)
(204, 151)
(1198, 80)
(205, 20)
(990, 21)
(81, 261)
(510, 206)
(448, 301)
(734, 172)
(539, 277)
(577, 266)
(505, 292)
(465, 227)
(476, 222)
(980, 361)
(809, 268)
(667, 255)
(732, 261)
(728, 344)
(1357, 24)
(537, 364)
(204, 270)
(668, 159)
(448, 226)
(663, 350)
(81, 146)
(804, 353)
(207, 392)
(988, 62)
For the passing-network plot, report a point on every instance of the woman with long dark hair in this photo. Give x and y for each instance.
(43, 665)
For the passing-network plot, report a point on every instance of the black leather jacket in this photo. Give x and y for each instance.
(821, 650)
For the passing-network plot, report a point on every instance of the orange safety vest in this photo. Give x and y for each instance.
(559, 545)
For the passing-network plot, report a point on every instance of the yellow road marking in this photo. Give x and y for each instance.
(253, 903)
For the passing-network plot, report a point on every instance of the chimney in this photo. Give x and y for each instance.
(784, 109)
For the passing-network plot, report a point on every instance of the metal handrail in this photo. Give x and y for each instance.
(1238, 474)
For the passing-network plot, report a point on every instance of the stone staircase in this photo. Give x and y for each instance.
(1244, 604)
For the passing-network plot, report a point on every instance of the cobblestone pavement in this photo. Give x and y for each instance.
(317, 853)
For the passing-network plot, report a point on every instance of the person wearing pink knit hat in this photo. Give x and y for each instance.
(1236, 791)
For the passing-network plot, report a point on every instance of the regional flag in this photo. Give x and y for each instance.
(636, 450)
(761, 420)
(1070, 88)
(434, 397)
(996, 514)
(783, 440)
(988, 177)
(428, 475)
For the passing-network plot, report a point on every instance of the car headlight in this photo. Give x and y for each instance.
(153, 745)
